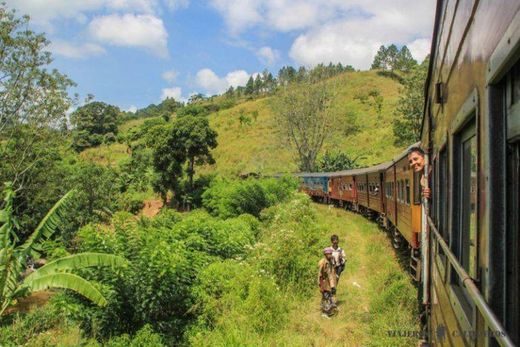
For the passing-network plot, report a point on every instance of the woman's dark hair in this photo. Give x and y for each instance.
(416, 149)
(334, 237)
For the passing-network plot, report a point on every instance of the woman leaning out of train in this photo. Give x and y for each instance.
(416, 161)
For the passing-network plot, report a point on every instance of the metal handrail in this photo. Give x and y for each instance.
(502, 337)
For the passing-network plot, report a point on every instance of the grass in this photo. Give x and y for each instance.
(374, 293)
(259, 147)
(112, 155)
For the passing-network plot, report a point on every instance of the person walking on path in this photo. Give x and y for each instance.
(327, 283)
(338, 255)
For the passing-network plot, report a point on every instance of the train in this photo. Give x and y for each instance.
(464, 242)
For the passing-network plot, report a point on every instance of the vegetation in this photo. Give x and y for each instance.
(304, 115)
(336, 161)
(56, 274)
(94, 123)
(393, 59)
(235, 263)
(410, 108)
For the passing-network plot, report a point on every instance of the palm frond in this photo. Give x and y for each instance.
(65, 281)
(79, 261)
(49, 223)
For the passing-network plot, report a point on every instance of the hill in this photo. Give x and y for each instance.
(250, 141)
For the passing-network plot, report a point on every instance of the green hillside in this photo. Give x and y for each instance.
(259, 148)
(360, 131)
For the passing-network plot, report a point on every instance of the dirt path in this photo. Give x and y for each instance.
(151, 207)
(351, 326)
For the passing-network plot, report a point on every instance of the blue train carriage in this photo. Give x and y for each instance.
(316, 185)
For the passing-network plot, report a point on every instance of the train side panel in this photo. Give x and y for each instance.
(471, 128)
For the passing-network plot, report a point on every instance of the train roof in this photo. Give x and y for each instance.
(313, 174)
(353, 172)
(360, 171)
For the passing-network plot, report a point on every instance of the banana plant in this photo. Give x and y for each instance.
(55, 274)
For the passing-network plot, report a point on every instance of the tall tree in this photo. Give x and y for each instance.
(92, 122)
(305, 118)
(410, 107)
(391, 57)
(33, 98)
(405, 62)
(380, 59)
(195, 138)
(250, 86)
(258, 84)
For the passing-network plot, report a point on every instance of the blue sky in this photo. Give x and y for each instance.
(131, 53)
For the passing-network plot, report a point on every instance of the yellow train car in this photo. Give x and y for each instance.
(471, 130)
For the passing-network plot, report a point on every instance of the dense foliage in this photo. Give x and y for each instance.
(336, 161)
(94, 123)
(392, 58)
(410, 108)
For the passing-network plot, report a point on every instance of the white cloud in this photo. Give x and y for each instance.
(132, 109)
(267, 55)
(174, 92)
(214, 84)
(169, 76)
(238, 14)
(145, 31)
(420, 48)
(335, 30)
(71, 50)
(355, 40)
(44, 11)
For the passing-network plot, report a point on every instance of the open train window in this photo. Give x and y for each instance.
(465, 228)
(417, 188)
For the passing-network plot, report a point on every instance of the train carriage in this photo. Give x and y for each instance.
(472, 131)
(343, 188)
(407, 202)
(316, 185)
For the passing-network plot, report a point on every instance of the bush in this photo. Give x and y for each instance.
(232, 198)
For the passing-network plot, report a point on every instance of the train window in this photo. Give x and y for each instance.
(513, 240)
(443, 195)
(407, 191)
(417, 188)
(465, 238)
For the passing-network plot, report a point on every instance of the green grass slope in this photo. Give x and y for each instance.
(258, 146)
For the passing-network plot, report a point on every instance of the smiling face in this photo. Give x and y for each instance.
(416, 161)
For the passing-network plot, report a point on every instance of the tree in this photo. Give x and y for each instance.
(380, 59)
(92, 123)
(56, 274)
(410, 107)
(305, 119)
(405, 62)
(195, 138)
(391, 57)
(258, 84)
(33, 98)
(250, 86)
(188, 139)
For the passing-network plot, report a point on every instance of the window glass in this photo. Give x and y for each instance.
(407, 191)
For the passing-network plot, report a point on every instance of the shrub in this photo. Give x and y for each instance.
(226, 198)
